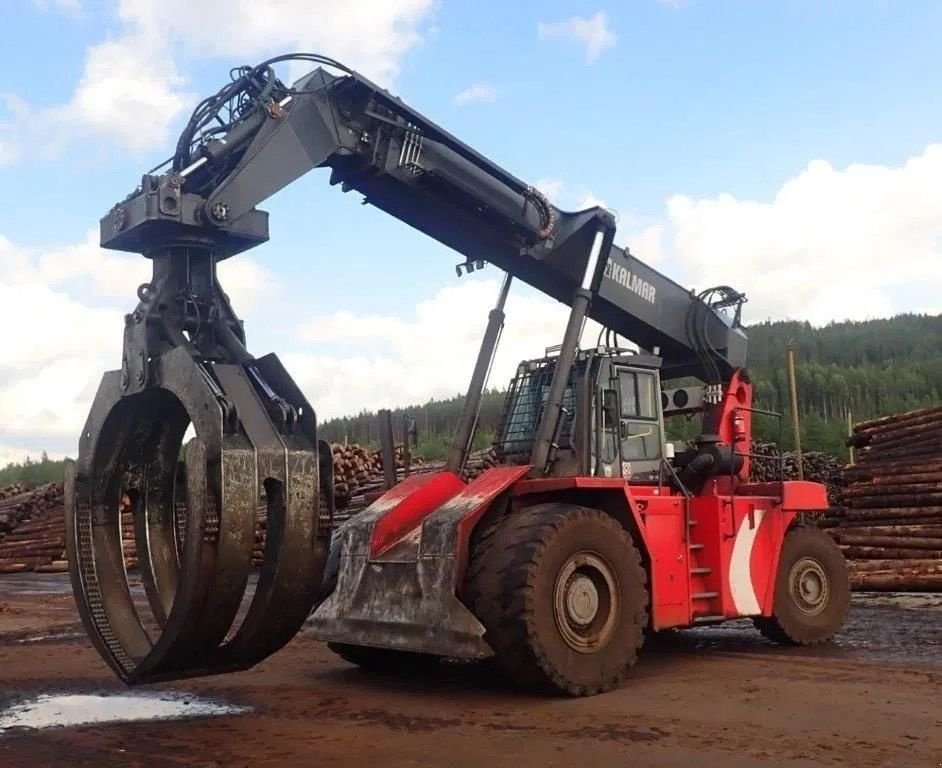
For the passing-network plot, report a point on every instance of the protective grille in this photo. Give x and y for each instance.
(523, 408)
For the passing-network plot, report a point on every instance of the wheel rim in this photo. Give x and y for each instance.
(809, 586)
(586, 603)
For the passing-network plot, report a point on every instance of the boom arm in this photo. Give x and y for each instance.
(408, 166)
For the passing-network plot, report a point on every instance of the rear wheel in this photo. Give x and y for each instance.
(563, 596)
(812, 590)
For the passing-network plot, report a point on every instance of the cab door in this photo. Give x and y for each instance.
(640, 427)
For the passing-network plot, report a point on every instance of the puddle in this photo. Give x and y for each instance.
(51, 636)
(58, 711)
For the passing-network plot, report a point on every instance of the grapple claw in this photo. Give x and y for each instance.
(195, 575)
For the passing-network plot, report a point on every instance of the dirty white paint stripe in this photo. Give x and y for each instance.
(740, 572)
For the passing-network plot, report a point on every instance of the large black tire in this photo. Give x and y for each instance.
(812, 590)
(563, 596)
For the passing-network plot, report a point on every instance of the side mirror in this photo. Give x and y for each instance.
(610, 415)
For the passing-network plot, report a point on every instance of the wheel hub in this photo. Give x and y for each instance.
(586, 604)
(808, 586)
(582, 600)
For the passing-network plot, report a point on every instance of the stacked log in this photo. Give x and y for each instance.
(32, 522)
(356, 467)
(891, 527)
(32, 529)
(816, 466)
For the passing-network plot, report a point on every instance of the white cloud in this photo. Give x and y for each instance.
(246, 283)
(370, 35)
(131, 92)
(16, 454)
(832, 244)
(593, 32)
(13, 111)
(50, 372)
(399, 359)
(568, 197)
(72, 7)
(125, 94)
(591, 201)
(9, 152)
(476, 92)
(552, 188)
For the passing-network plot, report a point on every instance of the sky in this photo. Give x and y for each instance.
(792, 149)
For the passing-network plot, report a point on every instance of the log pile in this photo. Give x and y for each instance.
(357, 468)
(32, 529)
(817, 467)
(891, 526)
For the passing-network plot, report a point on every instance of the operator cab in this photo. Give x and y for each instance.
(612, 423)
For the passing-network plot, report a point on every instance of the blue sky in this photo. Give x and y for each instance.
(734, 139)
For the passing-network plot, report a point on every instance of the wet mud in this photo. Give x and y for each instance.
(719, 696)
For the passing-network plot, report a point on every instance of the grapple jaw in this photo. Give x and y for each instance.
(185, 365)
(195, 570)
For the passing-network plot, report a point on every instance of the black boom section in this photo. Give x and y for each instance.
(656, 313)
(406, 165)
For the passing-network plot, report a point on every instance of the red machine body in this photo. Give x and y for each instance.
(709, 557)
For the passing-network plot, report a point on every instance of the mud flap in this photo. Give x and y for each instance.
(400, 566)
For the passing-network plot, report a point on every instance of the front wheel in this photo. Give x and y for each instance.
(812, 590)
(563, 595)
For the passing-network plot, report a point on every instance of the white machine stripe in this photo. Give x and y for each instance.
(740, 571)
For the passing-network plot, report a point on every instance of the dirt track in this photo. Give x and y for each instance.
(705, 698)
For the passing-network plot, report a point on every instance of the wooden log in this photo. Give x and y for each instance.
(56, 566)
(889, 513)
(920, 565)
(911, 500)
(889, 553)
(890, 581)
(858, 491)
(902, 531)
(918, 436)
(894, 478)
(865, 470)
(29, 561)
(931, 448)
(28, 539)
(912, 428)
(896, 418)
(892, 542)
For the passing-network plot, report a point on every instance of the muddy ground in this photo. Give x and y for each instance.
(720, 697)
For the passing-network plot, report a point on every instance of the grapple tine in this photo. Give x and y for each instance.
(154, 526)
(293, 559)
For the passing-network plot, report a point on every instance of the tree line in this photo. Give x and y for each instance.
(859, 370)
(856, 370)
